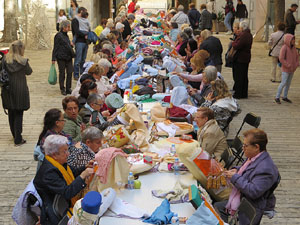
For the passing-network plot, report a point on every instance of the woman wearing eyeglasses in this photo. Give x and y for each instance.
(54, 123)
(254, 180)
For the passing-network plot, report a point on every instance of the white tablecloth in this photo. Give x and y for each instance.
(143, 198)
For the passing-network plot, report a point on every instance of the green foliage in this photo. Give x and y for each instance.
(220, 16)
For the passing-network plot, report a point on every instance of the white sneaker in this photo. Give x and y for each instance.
(228, 32)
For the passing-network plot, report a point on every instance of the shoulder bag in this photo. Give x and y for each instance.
(271, 50)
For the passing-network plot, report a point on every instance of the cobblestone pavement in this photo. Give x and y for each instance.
(281, 122)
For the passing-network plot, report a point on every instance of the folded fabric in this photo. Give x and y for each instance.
(104, 158)
(177, 112)
(138, 59)
(125, 83)
(151, 71)
(120, 208)
(21, 214)
(179, 96)
(132, 69)
(155, 43)
(178, 194)
(142, 97)
(190, 108)
(167, 99)
(203, 215)
(170, 128)
(159, 96)
(108, 196)
(176, 81)
(161, 215)
(145, 90)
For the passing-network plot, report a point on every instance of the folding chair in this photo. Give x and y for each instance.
(228, 158)
(235, 144)
(247, 208)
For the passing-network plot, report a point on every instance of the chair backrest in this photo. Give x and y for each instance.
(248, 209)
(251, 119)
(237, 145)
(227, 157)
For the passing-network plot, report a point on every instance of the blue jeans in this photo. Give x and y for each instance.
(227, 21)
(286, 79)
(81, 52)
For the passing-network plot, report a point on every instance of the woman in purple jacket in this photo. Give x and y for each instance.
(253, 180)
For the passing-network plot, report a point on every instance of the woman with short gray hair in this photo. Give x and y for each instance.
(242, 44)
(83, 152)
(55, 178)
(63, 54)
(180, 17)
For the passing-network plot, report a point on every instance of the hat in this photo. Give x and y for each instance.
(110, 24)
(91, 202)
(119, 26)
(114, 101)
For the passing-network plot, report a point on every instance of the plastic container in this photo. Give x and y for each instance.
(176, 166)
(175, 219)
(167, 90)
(130, 181)
(173, 149)
(141, 107)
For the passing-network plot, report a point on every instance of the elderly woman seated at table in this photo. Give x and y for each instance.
(210, 136)
(55, 179)
(73, 125)
(253, 180)
(222, 103)
(83, 152)
(94, 104)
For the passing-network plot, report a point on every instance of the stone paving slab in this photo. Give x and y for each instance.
(281, 122)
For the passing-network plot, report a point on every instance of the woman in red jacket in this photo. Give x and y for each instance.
(131, 7)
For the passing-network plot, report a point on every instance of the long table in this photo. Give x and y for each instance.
(144, 199)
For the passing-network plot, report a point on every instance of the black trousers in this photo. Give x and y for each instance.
(15, 118)
(240, 77)
(65, 66)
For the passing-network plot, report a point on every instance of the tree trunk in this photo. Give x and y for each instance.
(279, 6)
(10, 21)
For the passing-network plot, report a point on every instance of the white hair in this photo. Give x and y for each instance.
(53, 143)
(210, 73)
(109, 47)
(104, 62)
(91, 133)
(244, 25)
(180, 8)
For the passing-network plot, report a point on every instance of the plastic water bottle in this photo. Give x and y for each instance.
(130, 181)
(196, 128)
(130, 95)
(141, 107)
(167, 90)
(176, 166)
(175, 219)
(149, 115)
(173, 149)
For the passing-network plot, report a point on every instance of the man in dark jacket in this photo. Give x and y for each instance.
(127, 26)
(194, 16)
(80, 28)
(63, 54)
(55, 179)
(206, 18)
(214, 47)
(254, 180)
(289, 19)
(242, 44)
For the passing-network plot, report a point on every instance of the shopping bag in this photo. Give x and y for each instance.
(52, 78)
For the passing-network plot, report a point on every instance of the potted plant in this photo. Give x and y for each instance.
(220, 21)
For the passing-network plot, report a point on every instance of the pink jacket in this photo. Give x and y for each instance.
(118, 50)
(289, 56)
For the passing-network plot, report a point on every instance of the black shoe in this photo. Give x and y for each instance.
(277, 100)
(63, 92)
(69, 91)
(286, 100)
(21, 143)
(272, 80)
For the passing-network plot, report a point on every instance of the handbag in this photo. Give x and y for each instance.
(230, 57)
(52, 78)
(271, 50)
(4, 77)
(213, 16)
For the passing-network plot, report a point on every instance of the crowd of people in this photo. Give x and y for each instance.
(130, 51)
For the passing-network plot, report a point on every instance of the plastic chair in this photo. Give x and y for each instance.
(247, 208)
(228, 158)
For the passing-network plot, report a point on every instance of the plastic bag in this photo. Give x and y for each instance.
(52, 78)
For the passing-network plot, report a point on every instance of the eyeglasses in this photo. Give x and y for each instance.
(247, 145)
(62, 120)
(100, 104)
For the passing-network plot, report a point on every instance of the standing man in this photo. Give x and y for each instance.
(194, 16)
(206, 19)
(211, 7)
(80, 28)
(180, 17)
(63, 54)
(290, 20)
